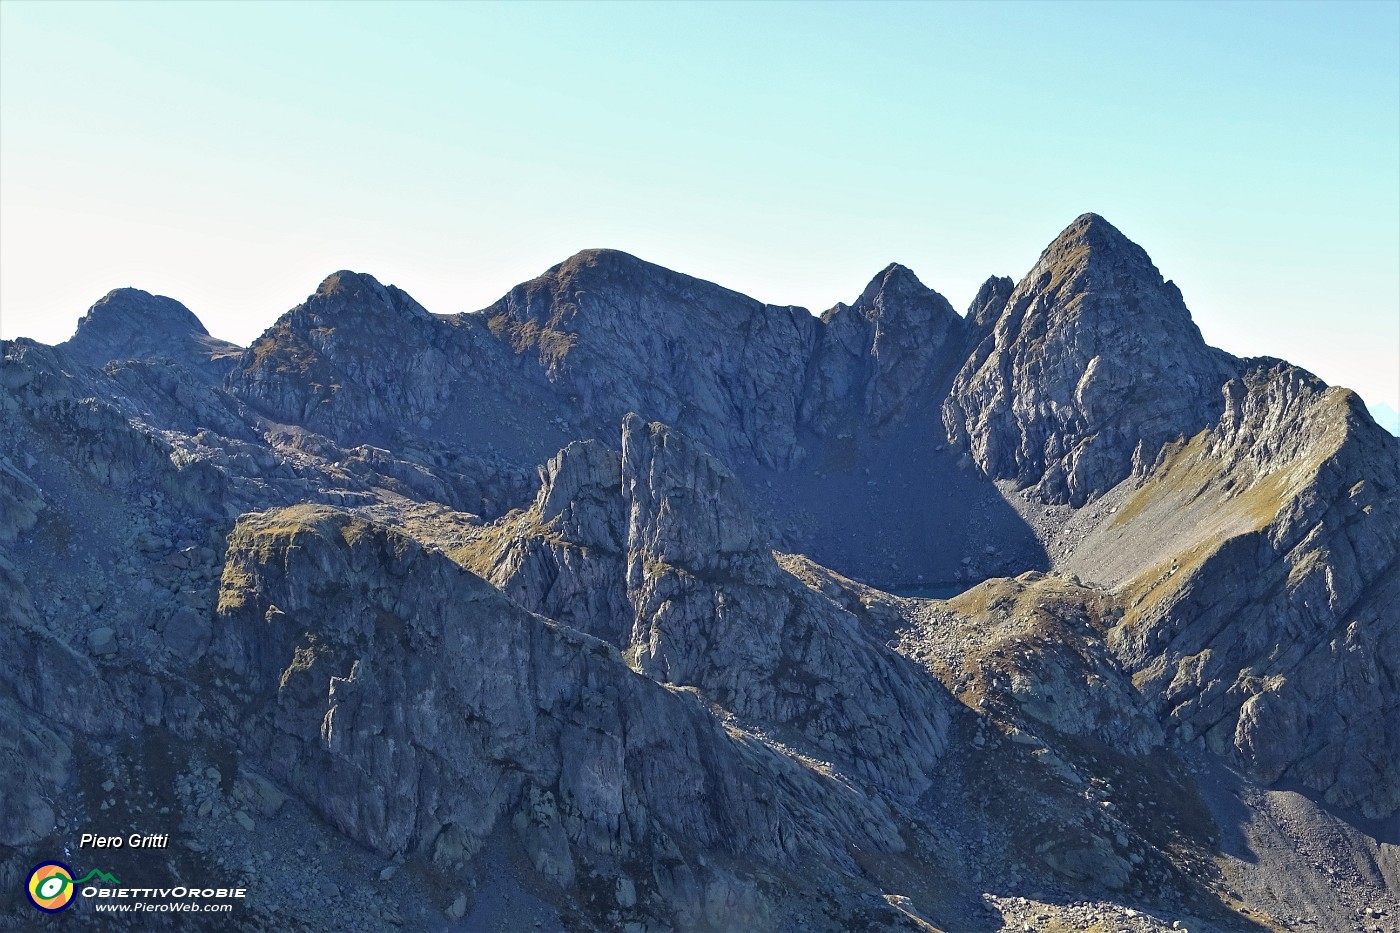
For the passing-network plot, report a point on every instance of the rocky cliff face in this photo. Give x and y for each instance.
(655, 550)
(891, 350)
(615, 334)
(565, 613)
(1262, 613)
(1091, 357)
(421, 712)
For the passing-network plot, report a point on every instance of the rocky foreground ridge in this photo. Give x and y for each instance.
(632, 603)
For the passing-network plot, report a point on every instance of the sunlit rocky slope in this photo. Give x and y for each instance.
(631, 603)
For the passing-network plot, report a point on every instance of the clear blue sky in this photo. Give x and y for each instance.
(231, 155)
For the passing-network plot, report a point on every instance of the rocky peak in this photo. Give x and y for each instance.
(604, 525)
(1090, 356)
(676, 557)
(355, 353)
(555, 297)
(990, 301)
(892, 348)
(896, 294)
(128, 323)
(123, 311)
(1092, 237)
(350, 317)
(606, 263)
(616, 334)
(605, 283)
(892, 283)
(344, 293)
(1092, 259)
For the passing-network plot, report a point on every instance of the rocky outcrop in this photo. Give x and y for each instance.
(988, 304)
(40, 403)
(421, 712)
(656, 550)
(1031, 653)
(1093, 357)
(1259, 566)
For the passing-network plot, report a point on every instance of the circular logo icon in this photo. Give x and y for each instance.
(51, 886)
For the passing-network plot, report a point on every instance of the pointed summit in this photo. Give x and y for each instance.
(886, 351)
(1094, 253)
(1091, 227)
(893, 280)
(128, 323)
(1090, 357)
(894, 286)
(990, 301)
(1095, 232)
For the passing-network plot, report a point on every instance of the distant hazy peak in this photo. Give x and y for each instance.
(1386, 417)
(128, 323)
(124, 311)
(359, 293)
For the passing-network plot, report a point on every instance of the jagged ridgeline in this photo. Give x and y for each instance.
(632, 603)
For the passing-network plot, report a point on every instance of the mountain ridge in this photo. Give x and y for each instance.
(632, 598)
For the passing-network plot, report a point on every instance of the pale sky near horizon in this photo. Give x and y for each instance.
(230, 155)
